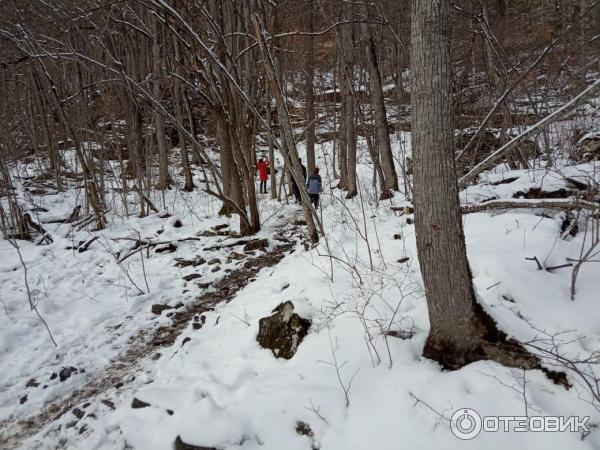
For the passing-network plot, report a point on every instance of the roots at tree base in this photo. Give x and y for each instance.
(484, 341)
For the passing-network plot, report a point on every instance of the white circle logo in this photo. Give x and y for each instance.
(465, 423)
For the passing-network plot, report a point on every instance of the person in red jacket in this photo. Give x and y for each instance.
(263, 167)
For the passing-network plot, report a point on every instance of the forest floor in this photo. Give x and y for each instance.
(125, 377)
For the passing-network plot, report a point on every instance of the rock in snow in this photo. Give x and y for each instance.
(283, 331)
(180, 445)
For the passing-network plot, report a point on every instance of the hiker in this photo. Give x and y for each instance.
(263, 167)
(314, 185)
(295, 188)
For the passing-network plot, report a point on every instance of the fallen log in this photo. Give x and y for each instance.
(566, 205)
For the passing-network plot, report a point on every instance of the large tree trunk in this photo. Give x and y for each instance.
(349, 124)
(291, 152)
(178, 93)
(273, 177)
(161, 139)
(309, 90)
(343, 142)
(596, 25)
(381, 125)
(461, 332)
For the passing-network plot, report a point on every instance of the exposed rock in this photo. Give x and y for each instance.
(78, 413)
(108, 403)
(588, 147)
(137, 404)
(403, 260)
(304, 429)
(66, 372)
(220, 227)
(207, 233)
(180, 445)
(214, 261)
(23, 399)
(536, 193)
(158, 308)
(216, 269)
(192, 276)
(283, 331)
(569, 225)
(256, 244)
(170, 248)
(177, 223)
(197, 261)
(32, 383)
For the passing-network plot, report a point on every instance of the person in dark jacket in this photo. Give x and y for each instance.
(314, 184)
(295, 188)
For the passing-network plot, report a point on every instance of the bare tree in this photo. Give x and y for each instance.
(461, 332)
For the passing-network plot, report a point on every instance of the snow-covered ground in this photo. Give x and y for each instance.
(352, 382)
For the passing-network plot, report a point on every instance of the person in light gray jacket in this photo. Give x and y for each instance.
(314, 184)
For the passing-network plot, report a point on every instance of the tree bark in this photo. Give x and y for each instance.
(383, 138)
(178, 93)
(288, 133)
(461, 332)
(309, 89)
(161, 140)
(343, 141)
(272, 169)
(349, 123)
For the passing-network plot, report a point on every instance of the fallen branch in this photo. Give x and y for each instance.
(231, 203)
(548, 269)
(560, 113)
(46, 237)
(84, 247)
(141, 244)
(566, 205)
(146, 199)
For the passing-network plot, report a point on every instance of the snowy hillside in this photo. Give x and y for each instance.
(299, 225)
(135, 379)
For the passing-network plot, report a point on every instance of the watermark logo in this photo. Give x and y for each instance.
(466, 423)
